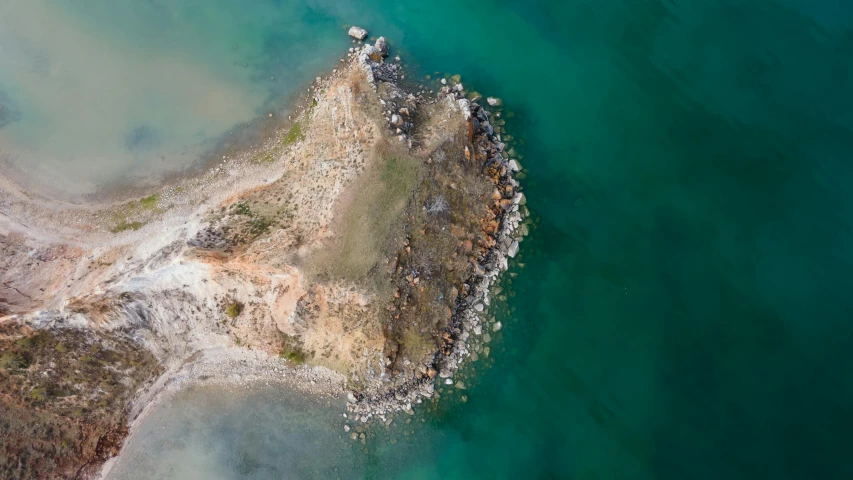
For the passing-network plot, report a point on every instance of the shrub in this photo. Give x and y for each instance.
(291, 349)
(233, 310)
(438, 204)
(242, 208)
(12, 361)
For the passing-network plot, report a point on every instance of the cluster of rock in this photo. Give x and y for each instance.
(399, 106)
(213, 237)
(501, 226)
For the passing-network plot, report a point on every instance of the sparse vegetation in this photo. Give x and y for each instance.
(242, 208)
(61, 393)
(12, 361)
(124, 226)
(442, 240)
(417, 344)
(291, 349)
(259, 225)
(254, 225)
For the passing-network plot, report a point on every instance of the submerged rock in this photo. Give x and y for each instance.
(513, 249)
(382, 46)
(9, 113)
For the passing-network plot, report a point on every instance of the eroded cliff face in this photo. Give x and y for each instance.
(359, 239)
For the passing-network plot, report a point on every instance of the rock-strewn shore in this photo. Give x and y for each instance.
(467, 322)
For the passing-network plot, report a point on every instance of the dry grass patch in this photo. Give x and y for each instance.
(381, 196)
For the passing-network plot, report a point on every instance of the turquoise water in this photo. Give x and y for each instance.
(682, 311)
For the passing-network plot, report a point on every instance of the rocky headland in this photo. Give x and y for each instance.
(355, 253)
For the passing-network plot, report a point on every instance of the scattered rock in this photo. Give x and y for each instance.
(357, 33)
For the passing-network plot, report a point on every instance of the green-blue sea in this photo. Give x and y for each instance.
(682, 308)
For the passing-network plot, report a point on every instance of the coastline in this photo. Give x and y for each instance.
(205, 353)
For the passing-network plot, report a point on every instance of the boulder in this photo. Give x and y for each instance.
(494, 101)
(382, 46)
(357, 33)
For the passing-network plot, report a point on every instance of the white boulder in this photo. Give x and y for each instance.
(357, 33)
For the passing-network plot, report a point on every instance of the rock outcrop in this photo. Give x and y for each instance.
(357, 33)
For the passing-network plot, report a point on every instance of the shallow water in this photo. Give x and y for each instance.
(682, 311)
(211, 432)
(106, 91)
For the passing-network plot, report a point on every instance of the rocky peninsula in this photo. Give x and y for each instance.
(353, 254)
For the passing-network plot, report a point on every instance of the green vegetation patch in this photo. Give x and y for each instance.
(294, 134)
(134, 215)
(124, 226)
(149, 202)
